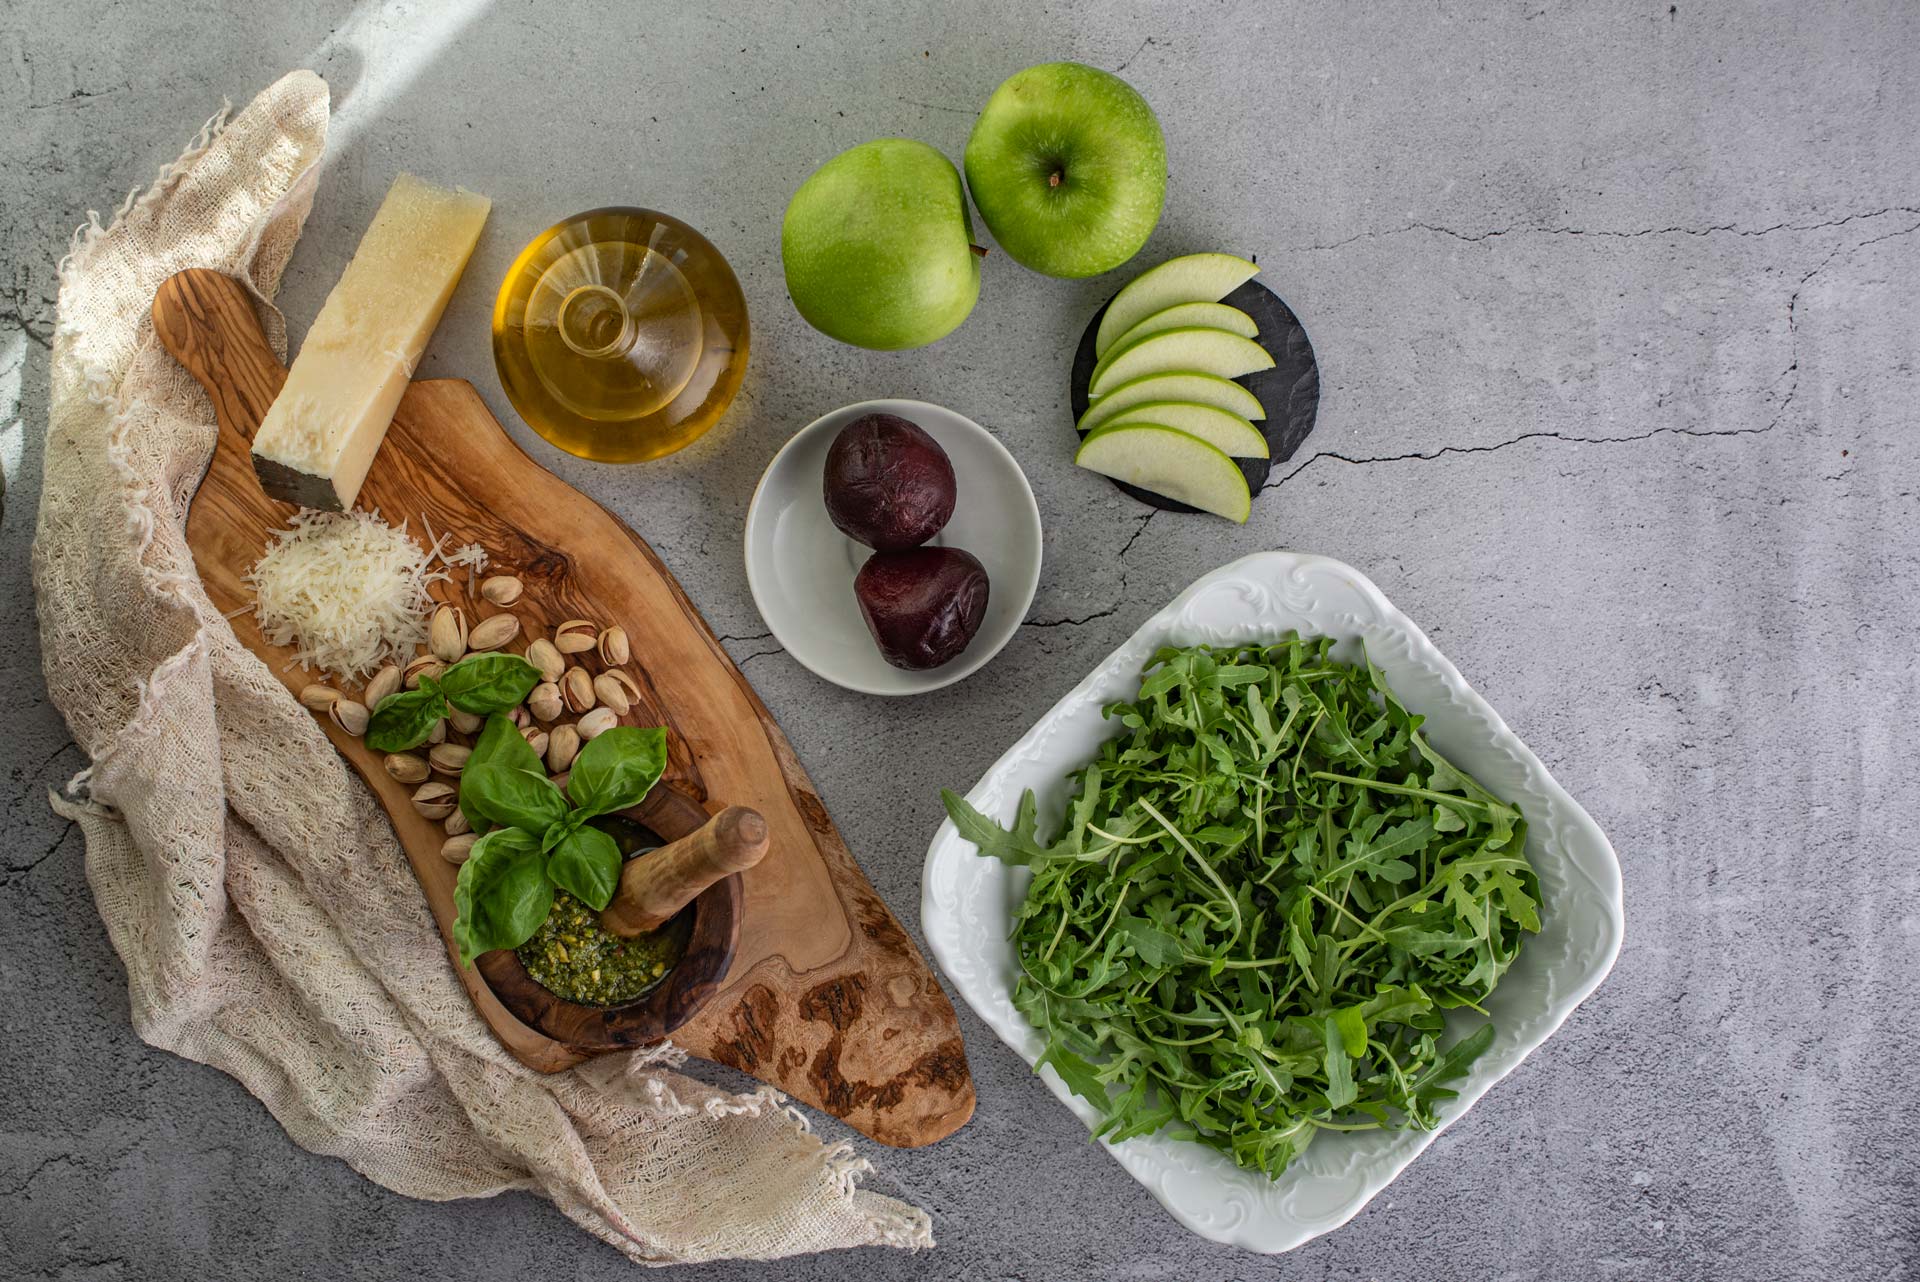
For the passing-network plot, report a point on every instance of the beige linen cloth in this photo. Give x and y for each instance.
(269, 923)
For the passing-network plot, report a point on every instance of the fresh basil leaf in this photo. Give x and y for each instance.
(504, 782)
(405, 718)
(617, 769)
(491, 682)
(586, 864)
(502, 894)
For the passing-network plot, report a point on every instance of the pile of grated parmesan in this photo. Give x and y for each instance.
(348, 591)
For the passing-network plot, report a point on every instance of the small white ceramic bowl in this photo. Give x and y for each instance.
(800, 567)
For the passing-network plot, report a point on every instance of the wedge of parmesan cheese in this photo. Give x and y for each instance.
(322, 431)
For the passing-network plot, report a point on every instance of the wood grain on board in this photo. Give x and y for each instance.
(827, 997)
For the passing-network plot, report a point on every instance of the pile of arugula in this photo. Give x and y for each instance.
(1267, 893)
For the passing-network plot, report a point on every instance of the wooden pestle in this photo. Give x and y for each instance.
(656, 885)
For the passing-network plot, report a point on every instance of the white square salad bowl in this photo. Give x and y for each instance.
(967, 899)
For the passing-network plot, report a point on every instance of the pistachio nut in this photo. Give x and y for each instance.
(319, 697)
(406, 767)
(597, 723)
(545, 702)
(426, 665)
(447, 634)
(435, 800)
(449, 758)
(439, 732)
(457, 823)
(536, 739)
(384, 682)
(613, 647)
(350, 715)
(458, 849)
(577, 688)
(576, 636)
(560, 780)
(501, 589)
(465, 722)
(542, 655)
(612, 693)
(493, 632)
(563, 745)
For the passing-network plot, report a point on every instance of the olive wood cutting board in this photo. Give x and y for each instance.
(826, 998)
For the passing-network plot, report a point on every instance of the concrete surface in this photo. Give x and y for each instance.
(1614, 305)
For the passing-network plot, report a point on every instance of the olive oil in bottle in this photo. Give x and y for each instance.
(620, 334)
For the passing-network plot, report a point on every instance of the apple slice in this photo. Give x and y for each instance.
(1196, 278)
(1199, 389)
(1190, 316)
(1228, 433)
(1180, 351)
(1172, 463)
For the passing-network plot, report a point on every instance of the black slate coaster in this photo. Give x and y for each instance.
(1290, 391)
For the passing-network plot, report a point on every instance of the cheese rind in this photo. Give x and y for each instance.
(321, 433)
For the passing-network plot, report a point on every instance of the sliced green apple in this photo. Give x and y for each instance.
(1180, 351)
(1190, 316)
(1200, 389)
(1168, 462)
(1228, 433)
(1195, 278)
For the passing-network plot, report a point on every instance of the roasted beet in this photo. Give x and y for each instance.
(922, 605)
(888, 484)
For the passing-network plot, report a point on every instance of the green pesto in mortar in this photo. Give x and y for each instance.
(574, 957)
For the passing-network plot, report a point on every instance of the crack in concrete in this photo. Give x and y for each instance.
(1516, 229)
(21, 870)
(34, 1174)
(748, 636)
(1523, 437)
(759, 654)
(1132, 538)
(19, 318)
(1070, 622)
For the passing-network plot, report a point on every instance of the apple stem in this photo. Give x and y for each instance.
(1053, 179)
(979, 251)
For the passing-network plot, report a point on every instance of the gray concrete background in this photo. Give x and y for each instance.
(1615, 309)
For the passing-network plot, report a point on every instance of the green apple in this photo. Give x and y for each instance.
(1068, 168)
(878, 246)
(1228, 433)
(1195, 278)
(1179, 351)
(1203, 389)
(1171, 463)
(1191, 316)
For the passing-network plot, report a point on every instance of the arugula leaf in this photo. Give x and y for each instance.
(1266, 893)
(502, 894)
(586, 863)
(617, 769)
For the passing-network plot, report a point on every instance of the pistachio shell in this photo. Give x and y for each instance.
(493, 632)
(577, 688)
(435, 800)
(563, 745)
(406, 767)
(612, 693)
(447, 634)
(465, 722)
(350, 716)
(384, 682)
(458, 849)
(536, 739)
(457, 823)
(613, 647)
(597, 723)
(543, 655)
(501, 589)
(576, 636)
(545, 701)
(319, 697)
(426, 665)
(449, 758)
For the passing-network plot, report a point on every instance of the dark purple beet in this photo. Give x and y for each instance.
(888, 484)
(922, 605)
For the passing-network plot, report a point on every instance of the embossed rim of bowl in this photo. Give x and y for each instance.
(967, 898)
(854, 662)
